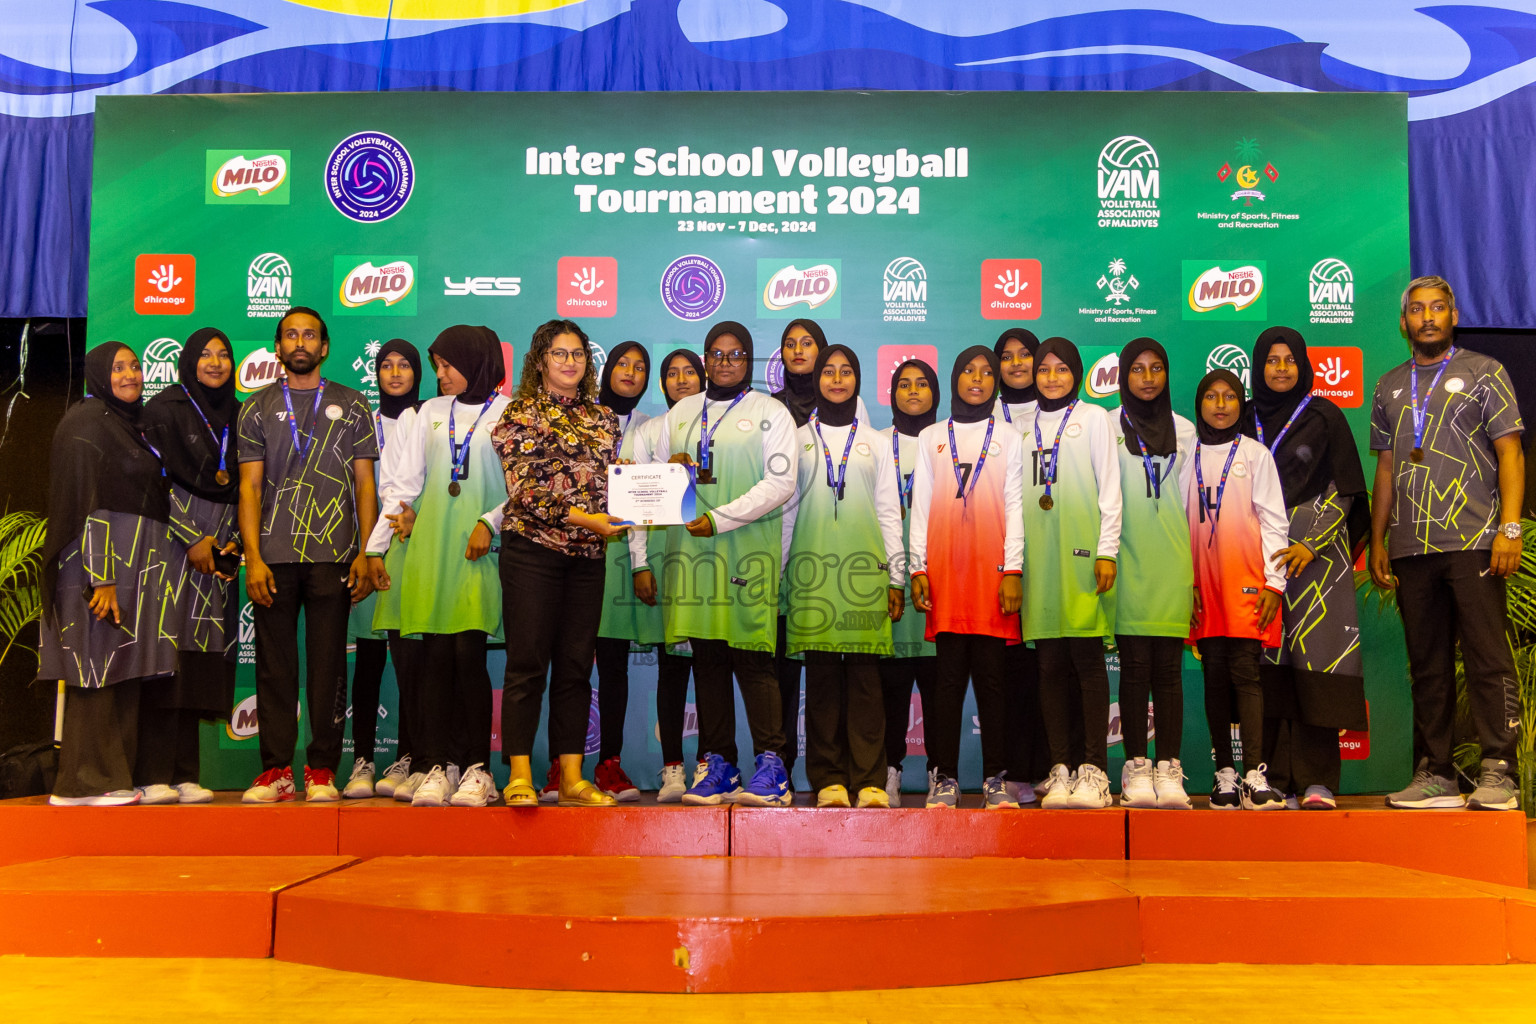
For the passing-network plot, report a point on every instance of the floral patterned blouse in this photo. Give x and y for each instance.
(556, 453)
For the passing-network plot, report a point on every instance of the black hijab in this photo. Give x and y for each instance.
(689, 356)
(620, 405)
(1017, 396)
(1319, 449)
(1151, 421)
(802, 391)
(960, 410)
(391, 406)
(837, 414)
(906, 423)
(1067, 352)
(173, 422)
(1209, 434)
(476, 353)
(744, 336)
(100, 463)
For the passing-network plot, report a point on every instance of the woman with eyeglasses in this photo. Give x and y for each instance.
(721, 575)
(556, 444)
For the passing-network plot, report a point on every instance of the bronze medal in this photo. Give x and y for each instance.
(705, 477)
(221, 478)
(1417, 455)
(903, 511)
(1046, 502)
(453, 489)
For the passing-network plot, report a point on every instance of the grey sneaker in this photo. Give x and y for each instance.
(1496, 789)
(946, 792)
(893, 787)
(995, 796)
(1426, 791)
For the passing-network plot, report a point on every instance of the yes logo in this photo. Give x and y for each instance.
(1338, 374)
(164, 283)
(587, 286)
(1010, 289)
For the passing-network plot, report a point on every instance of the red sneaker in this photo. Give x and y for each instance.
(320, 785)
(272, 786)
(610, 778)
(551, 791)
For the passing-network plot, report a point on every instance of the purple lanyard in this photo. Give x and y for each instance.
(221, 441)
(293, 421)
(378, 421)
(842, 467)
(1213, 512)
(981, 461)
(1153, 480)
(1049, 470)
(1259, 427)
(459, 454)
(707, 436)
(903, 489)
(1421, 413)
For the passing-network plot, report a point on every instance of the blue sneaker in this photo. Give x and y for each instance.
(770, 784)
(718, 783)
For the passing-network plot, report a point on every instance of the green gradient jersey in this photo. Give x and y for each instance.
(1154, 587)
(726, 587)
(844, 556)
(360, 619)
(907, 635)
(625, 616)
(1083, 524)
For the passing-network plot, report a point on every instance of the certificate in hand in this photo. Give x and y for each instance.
(659, 494)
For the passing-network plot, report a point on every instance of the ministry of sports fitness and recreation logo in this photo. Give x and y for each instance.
(905, 289)
(692, 288)
(243, 177)
(369, 177)
(1331, 291)
(1117, 286)
(161, 362)
(1215, 292)
(798, 287)
(1246, 175)
(1233, 358)
(375, 285)
(268, 286)
(1129, 183)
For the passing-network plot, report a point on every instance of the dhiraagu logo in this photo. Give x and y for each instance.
(246, 176)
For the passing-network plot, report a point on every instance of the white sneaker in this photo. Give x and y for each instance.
(392, 777)
(434, 790)
(1137, 786)
(404, 791)
(1090, 788)
(116, 798)
(674, 784)
(1058, 788)
(1168, 780)
(360, 785)
(892, 787)
(158, 794)
(192, 793)
(1021, 792)
(833, 796)
(476, 789)
(873, 796)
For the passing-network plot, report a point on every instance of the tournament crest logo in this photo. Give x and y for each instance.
(692, 288)
(369, 177)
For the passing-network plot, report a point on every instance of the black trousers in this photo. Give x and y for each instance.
(1231, 667)
(406, 654)
(1152, 665)
(897, 677)
(1298, 755)
(672, 672)
(455, 709)
(168, 746)
(100, 748)
(319, 589)
(612, 695)
(1029, 754)
(787, 670)
(556, 600)
(1073, 667)
(714, 662)
(1443, 598)
(978, 659)
(844, 721)
(367, 678)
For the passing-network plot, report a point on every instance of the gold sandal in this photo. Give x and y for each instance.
(520, 793)
(586, 795)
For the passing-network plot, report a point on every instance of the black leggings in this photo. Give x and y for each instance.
(367, 677)
(897, 675)
(672, 671)
(1152, 665)
(1232, 677)
(612, 695)
(1074, 667)
(787, 670)
(965, 656)
(455, 724)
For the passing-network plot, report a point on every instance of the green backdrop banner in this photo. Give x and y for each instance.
(905, 223)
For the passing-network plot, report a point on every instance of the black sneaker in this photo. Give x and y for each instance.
(1226, 795)
(1257, 796)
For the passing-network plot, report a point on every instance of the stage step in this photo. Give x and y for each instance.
(148, 906)
(916, 832)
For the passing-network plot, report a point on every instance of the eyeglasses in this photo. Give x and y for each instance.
(571, 355)
(734, 356)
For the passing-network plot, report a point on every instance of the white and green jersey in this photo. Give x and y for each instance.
(907, 635)
(842, 555)
(441, 591)
(726, 587)
(1015, 415)
(1082, 525)
(360, 619)
(625, 616)
(1155, 583)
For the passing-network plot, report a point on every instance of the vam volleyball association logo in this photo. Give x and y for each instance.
(1129, 183)
(692, 288)
(1331, 290)
(369, 177)
(160, 362)
(1233, 358)
(905, 289)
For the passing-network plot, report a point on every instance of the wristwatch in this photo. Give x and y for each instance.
(1511, 531)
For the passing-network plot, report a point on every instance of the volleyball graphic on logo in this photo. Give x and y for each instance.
(369, 177)
(1230, 357)
(692, 288)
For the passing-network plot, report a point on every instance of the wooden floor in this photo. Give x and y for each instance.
(157, 991)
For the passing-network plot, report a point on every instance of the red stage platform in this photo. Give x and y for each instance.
(916, 832)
